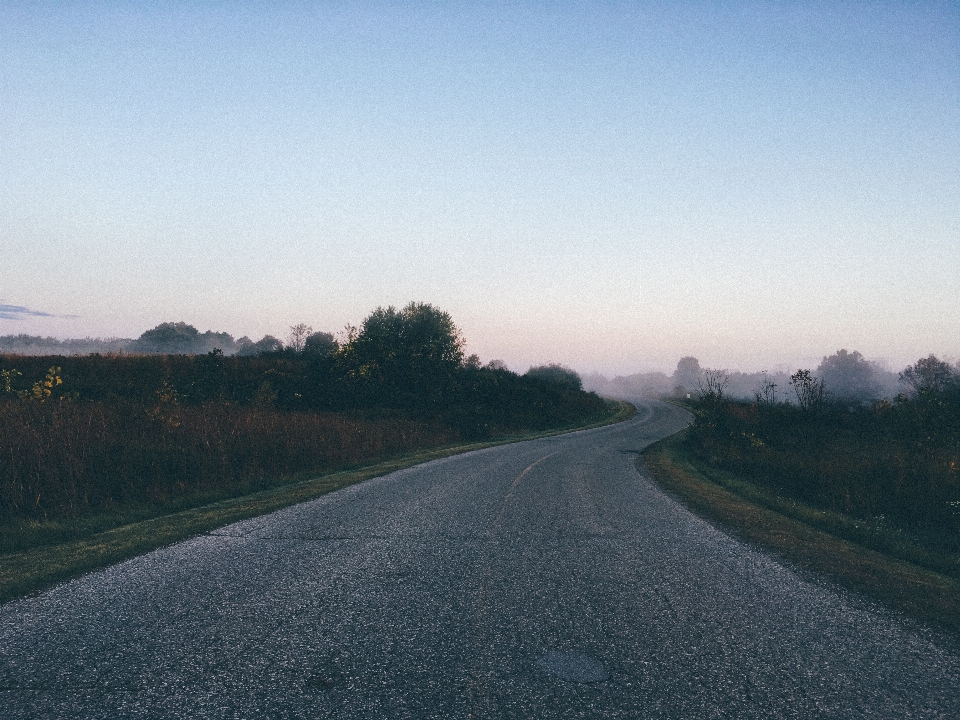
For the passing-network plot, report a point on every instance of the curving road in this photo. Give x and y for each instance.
(542, 579)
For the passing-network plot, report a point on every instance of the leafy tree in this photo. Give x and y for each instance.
(181, 339)
(171, 338)
(267, 344)
(687, 375)
(404, 356)
(217, 341)
(849, 376)
(319, 343)
(929, 375)
(933, 406)
(557, 374)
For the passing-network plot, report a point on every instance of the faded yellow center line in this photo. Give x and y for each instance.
(513, 487)
(478, 682)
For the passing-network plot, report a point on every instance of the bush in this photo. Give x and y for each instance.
(556, 374)
(899, 462)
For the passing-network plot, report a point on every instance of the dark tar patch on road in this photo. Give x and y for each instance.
(573, 667)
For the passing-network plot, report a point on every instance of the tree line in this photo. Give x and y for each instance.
(82, 433)
(845, 376)
(169, 338)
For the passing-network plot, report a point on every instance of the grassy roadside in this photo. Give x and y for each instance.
(35, 569)
(803, 539)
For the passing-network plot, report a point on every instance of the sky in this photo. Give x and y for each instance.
(610, 186)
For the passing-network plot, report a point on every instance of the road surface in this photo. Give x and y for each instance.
(536, 580)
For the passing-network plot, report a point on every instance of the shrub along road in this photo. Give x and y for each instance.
(541, 579)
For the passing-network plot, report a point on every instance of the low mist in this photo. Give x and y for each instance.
(171, 338)
(846, 377)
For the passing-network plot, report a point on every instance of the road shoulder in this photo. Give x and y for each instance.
(918, 593)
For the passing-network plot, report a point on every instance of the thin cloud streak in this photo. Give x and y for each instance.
(16, 312)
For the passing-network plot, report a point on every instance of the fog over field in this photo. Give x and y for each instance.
(846, 377)
(607, 186)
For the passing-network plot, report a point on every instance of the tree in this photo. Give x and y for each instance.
(267, 344)
(929, 375)
(809, 390)
(849, 376)
(298, 336)
(181, 339)
(557, 374)
(687, 375)
(408, 354)
(211, 341)
(173, 338)
(319, 343)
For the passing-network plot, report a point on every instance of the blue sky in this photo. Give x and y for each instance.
(607, 185)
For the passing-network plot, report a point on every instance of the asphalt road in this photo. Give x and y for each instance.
(536, 580)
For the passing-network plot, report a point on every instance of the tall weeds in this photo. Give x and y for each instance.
(891, 463)
(98, 433)
(66, 458)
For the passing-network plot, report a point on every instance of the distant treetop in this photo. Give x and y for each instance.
(178, 338)
(556, 373)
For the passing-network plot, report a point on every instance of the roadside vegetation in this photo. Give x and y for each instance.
(881, 478)
(91, 443)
